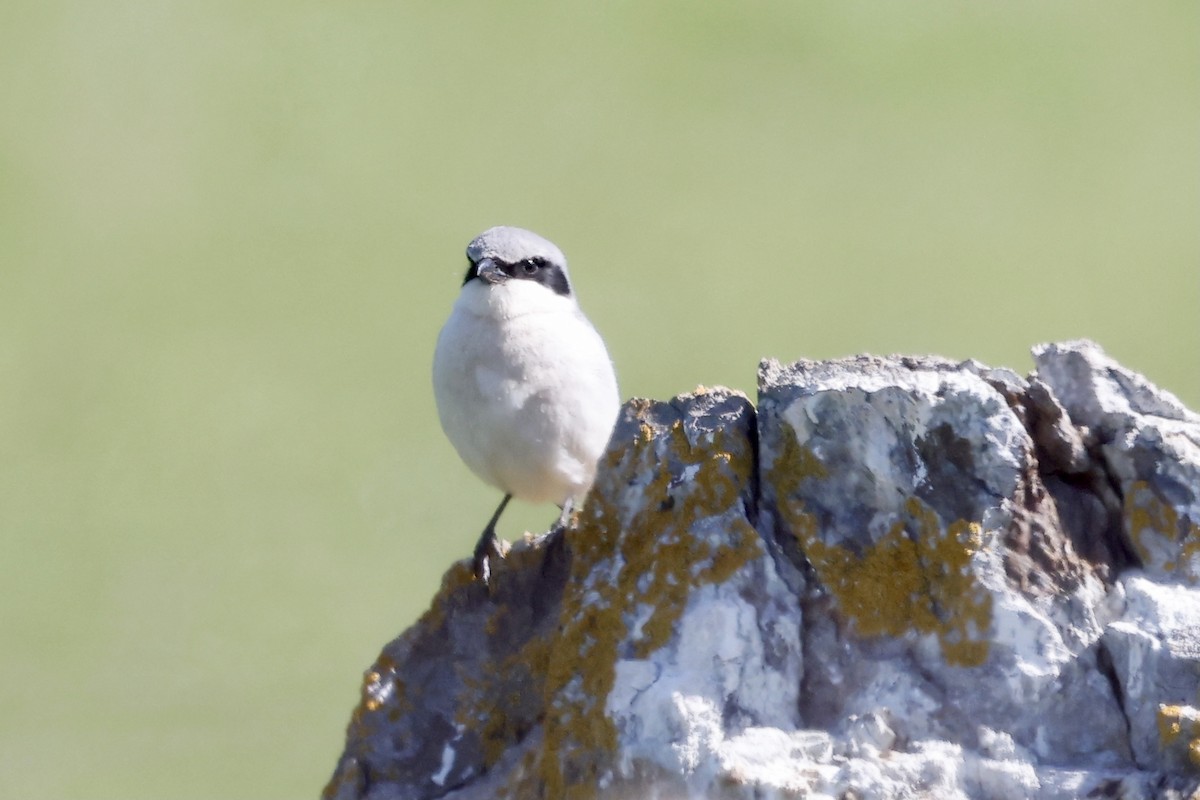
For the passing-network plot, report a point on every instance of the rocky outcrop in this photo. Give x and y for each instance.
(895, 577)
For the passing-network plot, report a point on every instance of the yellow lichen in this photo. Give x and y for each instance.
(1170, 723)
(456, 578)
(795, 463)
(1154, 527)
(635, 563)
(643, 571)
(503, 684)
(916, 577)
(494, 702)
(1177, 722)
(491, 626)
(1147, 515)
(372, 689)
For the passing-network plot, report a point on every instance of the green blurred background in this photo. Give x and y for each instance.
(229, 234)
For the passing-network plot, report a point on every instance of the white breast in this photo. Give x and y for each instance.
(525, 390)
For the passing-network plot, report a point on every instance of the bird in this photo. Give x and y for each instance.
(524, 386)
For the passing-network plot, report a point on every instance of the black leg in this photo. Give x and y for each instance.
(487, 546)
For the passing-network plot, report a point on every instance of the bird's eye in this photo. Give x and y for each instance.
(529, 267)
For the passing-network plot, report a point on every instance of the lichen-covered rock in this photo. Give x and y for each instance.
(676, 633)
(637, 653)
(1149, 445)
(897, 578)
(1154, 645)
(910, 488)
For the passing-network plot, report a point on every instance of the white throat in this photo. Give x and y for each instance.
(513, 298)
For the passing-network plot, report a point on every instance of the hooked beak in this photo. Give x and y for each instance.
(488, 270)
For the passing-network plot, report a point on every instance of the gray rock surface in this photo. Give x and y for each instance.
(897, 577)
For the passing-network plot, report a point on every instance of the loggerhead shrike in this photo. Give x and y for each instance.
(524, 386)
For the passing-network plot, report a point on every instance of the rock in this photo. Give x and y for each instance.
(910, 489)
(1147, 443)
(895, 577)
(1154, 647)
(648, 647)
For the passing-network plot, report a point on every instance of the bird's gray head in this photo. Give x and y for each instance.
(505, 253)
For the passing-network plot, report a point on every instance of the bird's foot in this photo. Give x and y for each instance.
(489, 545)
(565, 519)
(487, 549)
